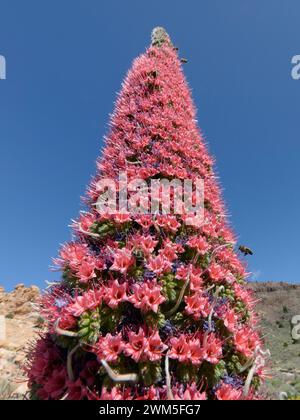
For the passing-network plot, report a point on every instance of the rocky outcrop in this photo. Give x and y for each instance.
(20, 301)
(20, 324)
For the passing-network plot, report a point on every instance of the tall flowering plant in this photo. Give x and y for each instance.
(149, 305)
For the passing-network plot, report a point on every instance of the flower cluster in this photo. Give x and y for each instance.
(139, 346)
(196, 350)
(152, 296)
(146, 296)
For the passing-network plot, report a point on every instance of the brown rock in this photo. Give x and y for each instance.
(20, 319)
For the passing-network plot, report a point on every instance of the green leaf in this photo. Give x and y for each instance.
(150, 373)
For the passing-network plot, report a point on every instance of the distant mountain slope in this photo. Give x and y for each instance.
(279, 303)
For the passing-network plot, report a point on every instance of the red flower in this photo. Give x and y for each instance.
(122, 260)
(136, 345)
(109, 347)
(197, 305)
(180, 349)
(191, 393)
(199, 243)
(216, 272)
(86, 269)
(89, 300)
(76, 390)
(56, 384)
(146, 296)
(212, 349)
(159, 265)
(228, 392)
(230, 319)
(155, 347)
(115, 294)
(247, 341)
(72, 254)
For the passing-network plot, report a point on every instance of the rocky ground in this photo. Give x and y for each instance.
(18, 312)
(278, 303)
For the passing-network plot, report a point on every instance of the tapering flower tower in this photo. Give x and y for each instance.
(150, 305)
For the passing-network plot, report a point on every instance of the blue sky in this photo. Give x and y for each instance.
(65, 63)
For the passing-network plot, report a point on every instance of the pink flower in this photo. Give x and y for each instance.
(191, 393)
(145, 243)
(115, 294)
(226, 256)
(67, 321)
(144, 220)
(109, 347)
(173, 224)
(209, 230)
(77, 308)
(197, 305)
(151, 393)
(146, 296)
(230, 320)
(89, 300)
(86, 220)
(193, 273)
(136, 345)
(100, 264)
(72, 255)
(122, 260)
(159, 265)
(244, 295)
(246, 341)
(169, 245)
(196, 352)
(121, 218)
(199, 243)
(168, 222)
(212, 349)
(86, 270)
(183, 272)
(216, 272)
(168, 253)
(228, 392)
(148, 244)
(115, 394)
(180, 349)
(191, 350)
(155, 347)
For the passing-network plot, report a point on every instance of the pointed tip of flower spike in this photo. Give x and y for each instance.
(159, 37)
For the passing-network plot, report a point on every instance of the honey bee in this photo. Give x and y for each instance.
(245, 250)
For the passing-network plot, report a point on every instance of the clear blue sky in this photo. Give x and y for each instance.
(65, 63)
